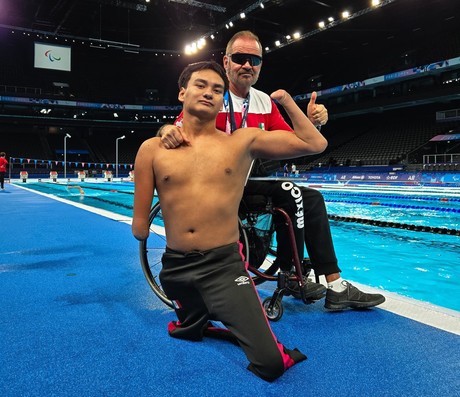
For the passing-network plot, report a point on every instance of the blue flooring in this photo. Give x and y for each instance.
(77, 318)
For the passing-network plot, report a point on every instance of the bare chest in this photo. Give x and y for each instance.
(201, 163)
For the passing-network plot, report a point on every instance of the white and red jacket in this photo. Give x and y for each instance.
(262, 113)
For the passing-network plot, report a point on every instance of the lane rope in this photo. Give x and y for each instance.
(396, 225)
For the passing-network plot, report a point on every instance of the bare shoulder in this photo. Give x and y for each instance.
(148, 149)
(150, 143)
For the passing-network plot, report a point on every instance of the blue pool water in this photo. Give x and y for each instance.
(433, 211)
(423, 265)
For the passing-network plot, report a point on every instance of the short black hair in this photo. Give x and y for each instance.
(184, 78)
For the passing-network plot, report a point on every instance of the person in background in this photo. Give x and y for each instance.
(3, 164)
(204, 272)
(246, 106)
(286, 170)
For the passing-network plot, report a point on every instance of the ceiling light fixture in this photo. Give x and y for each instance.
(345, 17)
(229, 24)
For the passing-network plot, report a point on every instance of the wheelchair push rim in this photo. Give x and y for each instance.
(150, 252)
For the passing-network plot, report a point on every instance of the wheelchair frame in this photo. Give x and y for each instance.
(151, 251)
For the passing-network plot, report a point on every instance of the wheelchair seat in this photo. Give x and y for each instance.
(254, 204)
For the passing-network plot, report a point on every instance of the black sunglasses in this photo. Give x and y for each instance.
(241, 59)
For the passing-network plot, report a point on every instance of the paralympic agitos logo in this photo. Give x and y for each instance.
(51, 57)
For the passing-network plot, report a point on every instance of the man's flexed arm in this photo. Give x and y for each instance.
(303, 127)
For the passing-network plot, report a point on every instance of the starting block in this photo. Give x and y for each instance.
(81, 175)
(53, 176)
(108, 176)
(23, 175)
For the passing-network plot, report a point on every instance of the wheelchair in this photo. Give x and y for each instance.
(258, 236)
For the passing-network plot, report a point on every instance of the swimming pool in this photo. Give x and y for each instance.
(401, 241)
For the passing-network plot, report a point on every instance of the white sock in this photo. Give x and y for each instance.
(337, 285)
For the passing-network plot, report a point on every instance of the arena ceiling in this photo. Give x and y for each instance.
(146, 40)
(398, 27)
(397, 35)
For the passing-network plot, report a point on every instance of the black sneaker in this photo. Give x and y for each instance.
(352, 298)
(312, 290)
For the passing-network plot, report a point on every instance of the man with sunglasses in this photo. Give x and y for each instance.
(245, 106)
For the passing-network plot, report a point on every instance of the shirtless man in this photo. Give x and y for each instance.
(200, 185)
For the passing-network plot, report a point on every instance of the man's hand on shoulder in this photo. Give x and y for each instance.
(171, 136)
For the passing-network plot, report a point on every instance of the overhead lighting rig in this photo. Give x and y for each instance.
(331, 23)
(123, 4)
(192, 48)
(199, 4)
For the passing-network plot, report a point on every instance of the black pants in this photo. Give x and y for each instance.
(311, 227)
(2, 179)
(215, 285)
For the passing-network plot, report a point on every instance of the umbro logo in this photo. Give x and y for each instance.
(242, 280)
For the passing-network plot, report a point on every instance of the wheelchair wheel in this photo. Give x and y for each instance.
(276, 312)
(151, 251)
(260, 240)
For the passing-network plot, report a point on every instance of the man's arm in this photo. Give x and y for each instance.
(306, 140)
(316, 113)
(144, 185)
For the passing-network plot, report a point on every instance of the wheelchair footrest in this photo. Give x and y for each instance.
(307, 291)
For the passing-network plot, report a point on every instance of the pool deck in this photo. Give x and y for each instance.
(79, 319)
